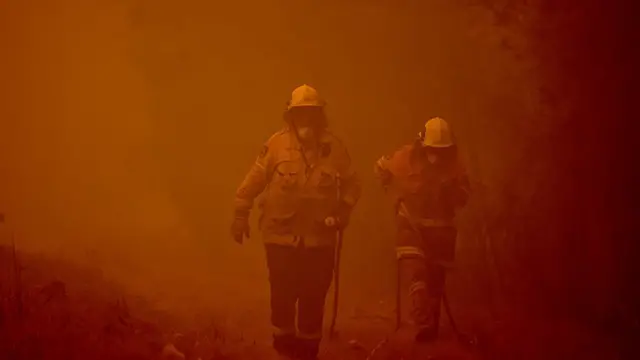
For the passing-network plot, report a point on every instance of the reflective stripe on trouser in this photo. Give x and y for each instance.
(302, 276)
(409, 251)
(422, 280)
(287, 331)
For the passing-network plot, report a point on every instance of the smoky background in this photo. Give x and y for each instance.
(126, 127)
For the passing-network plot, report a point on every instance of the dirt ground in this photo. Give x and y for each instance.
(58, 310)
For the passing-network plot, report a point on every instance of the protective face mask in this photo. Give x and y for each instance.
(305, 133)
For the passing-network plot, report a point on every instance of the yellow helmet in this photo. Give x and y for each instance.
(437, 134)
(305, 95)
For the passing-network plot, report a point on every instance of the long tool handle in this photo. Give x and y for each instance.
(447, 308)
(336, 284)
(398, 296)
(336, 270)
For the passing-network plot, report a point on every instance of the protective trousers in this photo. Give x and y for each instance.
(298, 275)
(423, 254)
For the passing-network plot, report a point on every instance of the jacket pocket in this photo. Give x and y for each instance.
(321, 201)
(282, 197)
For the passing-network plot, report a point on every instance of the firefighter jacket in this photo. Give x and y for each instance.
(300, 189)
(424, 193)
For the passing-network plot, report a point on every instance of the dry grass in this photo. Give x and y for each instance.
(53, 310)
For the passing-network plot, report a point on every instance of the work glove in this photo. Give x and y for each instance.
(341, 219)
(384, 176)
(240, 226)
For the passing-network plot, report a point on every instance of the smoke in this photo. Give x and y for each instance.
(127, 126)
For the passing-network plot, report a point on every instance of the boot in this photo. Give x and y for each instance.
(308, 349)
(427, 334)
(285, 345)
(430, 323)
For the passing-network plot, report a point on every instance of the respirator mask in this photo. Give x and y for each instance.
(306, 122)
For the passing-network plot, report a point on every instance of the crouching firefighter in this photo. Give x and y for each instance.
(299, 173)
(427, 184)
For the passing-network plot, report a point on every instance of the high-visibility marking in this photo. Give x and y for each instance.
(417, 286)
(409, 251)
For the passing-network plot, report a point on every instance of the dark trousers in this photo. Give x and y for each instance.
(423, 276)
(299, 275)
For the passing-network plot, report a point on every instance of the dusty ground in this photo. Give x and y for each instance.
(56, 310)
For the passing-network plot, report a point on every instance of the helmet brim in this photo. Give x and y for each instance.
(438, 146)
(305, 106)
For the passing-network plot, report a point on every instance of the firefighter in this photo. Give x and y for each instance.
(298, 173)
(428, 184)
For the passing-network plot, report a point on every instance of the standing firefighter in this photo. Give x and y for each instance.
(309, 191)
(427, 184)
